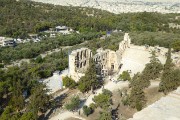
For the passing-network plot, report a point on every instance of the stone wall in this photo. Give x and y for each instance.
(107, 61)
(79, 62)
(173, 25)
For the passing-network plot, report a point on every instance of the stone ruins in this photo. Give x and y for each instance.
(79, 62)
(107, 61)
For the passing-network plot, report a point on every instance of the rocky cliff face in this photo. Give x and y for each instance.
(123, 6)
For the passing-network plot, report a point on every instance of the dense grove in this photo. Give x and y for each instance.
(23, 17)
(19, 18)
(16, 80)
(32, 50)
(156, 38)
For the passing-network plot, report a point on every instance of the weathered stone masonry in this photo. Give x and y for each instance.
(79, 62)
(107, 61)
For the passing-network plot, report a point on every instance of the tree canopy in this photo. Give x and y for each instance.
(90, 80)
(153, 69)
(74, 103)
(103, 100)
(170, 79)
(69, 82)
(124, 76)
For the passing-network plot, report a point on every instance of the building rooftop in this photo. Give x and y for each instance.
(61, 27)
(8, 39)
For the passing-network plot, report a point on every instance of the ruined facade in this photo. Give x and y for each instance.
(107, 61)
(174, 26)
(125, 43)
(79, 62)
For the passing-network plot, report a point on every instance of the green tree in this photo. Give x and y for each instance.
(39, 59)
(89, 81)
(176, 46)
(103, 100)
(171, 83)
(137, 98)
(140, 81)
(124, 76)
(167, 80)
(69, 82)
(105, 115)
(93, 106)
(107, 92)
(87, 110)
(17, 100)
(27, 116)
(74, 103)
(2, 89)
(7, 114)
(39, 100)
(153, 69)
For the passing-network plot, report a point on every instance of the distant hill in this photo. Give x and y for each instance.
(23, 17)
(123, 6)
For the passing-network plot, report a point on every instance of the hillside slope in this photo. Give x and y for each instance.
(164, 109)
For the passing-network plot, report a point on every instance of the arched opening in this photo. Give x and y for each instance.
(81, 54)
(85, 63)
(85, 53)
(77, 57)
(81, 64)
(112, 66)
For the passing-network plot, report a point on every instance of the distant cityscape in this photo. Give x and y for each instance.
(123, 6)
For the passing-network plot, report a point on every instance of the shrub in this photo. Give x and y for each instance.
(107, 92)
(69, 82)
(124, 76)
(74, 104)
(1, 66)
(138, 106)
(87, 110)
(93, 106)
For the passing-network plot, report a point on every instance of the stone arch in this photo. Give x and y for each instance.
(81, 56)
(77, 57)
(81, 65)
(85, 63)
(85, 53)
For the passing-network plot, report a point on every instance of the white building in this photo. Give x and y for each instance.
(6, 42)
(63, 30)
